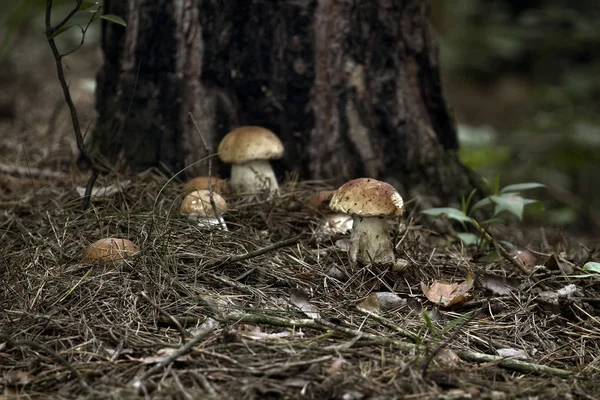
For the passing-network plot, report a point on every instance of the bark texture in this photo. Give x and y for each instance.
(352, 88)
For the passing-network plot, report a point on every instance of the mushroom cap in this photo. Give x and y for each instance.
(198, 203)
(248, 143)
(367, 197)
(109, 249)
(219, 185)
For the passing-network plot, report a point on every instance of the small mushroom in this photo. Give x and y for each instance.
(197, 207)
(218, 185)
(109, 249)
(369, 201)
(249, 149)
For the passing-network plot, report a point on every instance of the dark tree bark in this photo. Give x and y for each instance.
(352, 88)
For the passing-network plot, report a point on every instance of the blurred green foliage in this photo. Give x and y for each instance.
(552, 48)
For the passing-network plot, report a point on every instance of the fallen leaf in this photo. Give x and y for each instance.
(447, 294)
(257, 335)
(302, 301)
(369, 304)
(343, 244)
(162, 354)
(448, 358)
(400, 265)
(336, 366)
(103, 191)
(556, 262)
(592, 267)
(513, 353)
(17, 378)
(335, 272)
(336, 224)
(381, 301)
(499, 285)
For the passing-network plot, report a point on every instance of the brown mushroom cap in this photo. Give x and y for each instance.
(319, 201)
(367, 197)
(198, 203)
(109, 249)
(219, 185)
(248, 143)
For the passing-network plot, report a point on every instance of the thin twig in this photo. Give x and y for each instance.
(50, 30)
(207, 328)
(251, 254)
(449, 338)
(515, 261)
(384, 321)
(165, 314)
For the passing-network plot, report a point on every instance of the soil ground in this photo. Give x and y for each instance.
(266, 310)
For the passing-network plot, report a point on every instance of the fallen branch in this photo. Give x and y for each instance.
(514, 364)
(251, 254)
(207, 328)
(319, 324)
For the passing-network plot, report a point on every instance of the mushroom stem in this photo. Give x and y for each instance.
(370, 241)
(253, 177)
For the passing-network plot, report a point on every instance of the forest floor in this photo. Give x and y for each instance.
(268, 309)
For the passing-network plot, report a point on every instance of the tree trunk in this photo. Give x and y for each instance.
(352, 88)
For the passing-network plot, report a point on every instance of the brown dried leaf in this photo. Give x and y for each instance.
(302, 301)
(448, 294)
(17, 378)
(499, 285)
(381, 301)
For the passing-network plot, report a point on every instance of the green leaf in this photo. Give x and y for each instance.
(451, 213)
(496, 188)
(468, 238)
(521, 186)
(467, 202)
(490, 257)
(60, 30)
(481, 203)
(114, 18)
(87, 5)
(492, 221)
(592, 266)
(511, 203)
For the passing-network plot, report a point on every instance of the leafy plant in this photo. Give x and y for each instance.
(502, 202)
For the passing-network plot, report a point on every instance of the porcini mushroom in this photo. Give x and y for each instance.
(218, 185)
(109, 249)
(197, 207)
(369, 201)
(249, 149)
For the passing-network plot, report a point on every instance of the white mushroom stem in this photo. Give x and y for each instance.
(210, 223)
(370, 241)
(253, 177)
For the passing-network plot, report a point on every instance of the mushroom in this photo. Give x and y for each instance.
(331, 223)
(249, 149)
(218, 185)
(109, 249)
(369, 201)
(198, 209)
